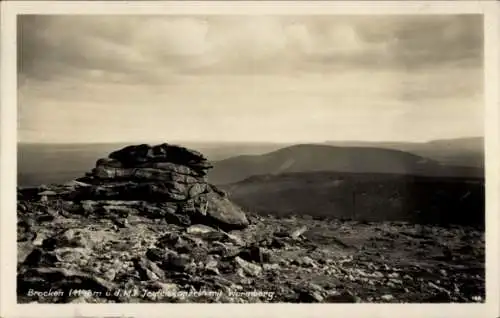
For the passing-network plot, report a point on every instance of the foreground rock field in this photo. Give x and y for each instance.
(146, 226)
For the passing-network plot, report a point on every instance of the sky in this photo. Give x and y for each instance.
(249, 78)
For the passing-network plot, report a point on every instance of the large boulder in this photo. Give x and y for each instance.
(133, 155)
(224, 213)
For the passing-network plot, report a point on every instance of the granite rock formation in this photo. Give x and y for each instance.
(168, 181)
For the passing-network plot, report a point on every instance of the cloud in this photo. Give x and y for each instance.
(132, 77)
(155, 47)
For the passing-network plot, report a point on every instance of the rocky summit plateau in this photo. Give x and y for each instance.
(146, 225)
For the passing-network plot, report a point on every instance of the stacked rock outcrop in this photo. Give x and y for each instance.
(167, 180)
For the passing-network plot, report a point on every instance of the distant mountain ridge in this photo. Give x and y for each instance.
(320, 157)
(56, 163)
(467, 151)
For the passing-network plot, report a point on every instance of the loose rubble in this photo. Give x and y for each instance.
(146, 226)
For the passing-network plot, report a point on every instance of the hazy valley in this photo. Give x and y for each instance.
(55, 163)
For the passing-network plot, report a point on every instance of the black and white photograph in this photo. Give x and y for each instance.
(250, 158)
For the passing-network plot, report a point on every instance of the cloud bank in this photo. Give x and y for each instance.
(281, 78)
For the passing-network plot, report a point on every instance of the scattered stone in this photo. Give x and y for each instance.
(68, 238)
(88, 206)
(25, 232)
(247, 267)
(40, 258)
(39, 238)
(118, 210)
(225, 251)
(307, 261)
(176, 262)
(169, 239)
(387, 297)
(341, 297)
(148, 269)
(378, 274)
(310, 297)
(438, 297)
(156, 254)
(254, 254)
(310, 293)
(72, 254)
(278, 243)
(235, 239)
(393, 275)
(23, 250)
(110, 274)
(211, 266)
(298, 232)
(200, 229)
(396, 281)
(121, 223)
(214, 236)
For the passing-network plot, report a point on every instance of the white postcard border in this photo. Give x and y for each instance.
(8, 162)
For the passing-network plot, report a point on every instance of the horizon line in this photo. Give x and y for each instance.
(243, 141)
